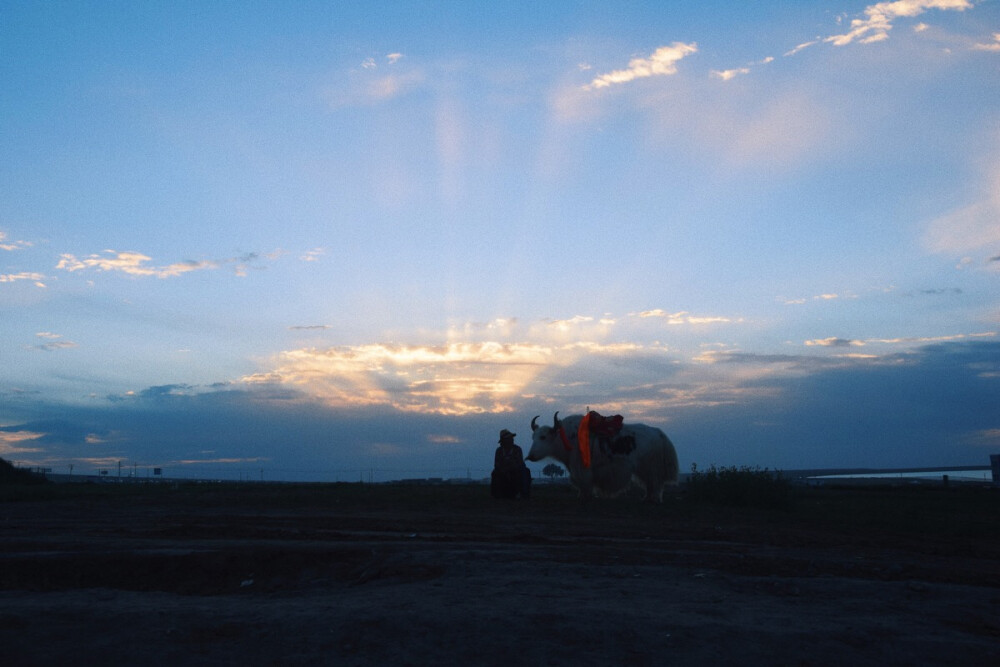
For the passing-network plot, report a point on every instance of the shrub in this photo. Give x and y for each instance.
(739, 487)
(11, 475)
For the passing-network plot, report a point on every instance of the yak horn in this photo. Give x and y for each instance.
(555, 420)
(534, 426)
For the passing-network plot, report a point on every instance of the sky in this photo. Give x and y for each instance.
(340, 241)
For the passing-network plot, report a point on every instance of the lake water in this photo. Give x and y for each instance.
(973, 475)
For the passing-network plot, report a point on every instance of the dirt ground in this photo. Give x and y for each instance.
(361, 574)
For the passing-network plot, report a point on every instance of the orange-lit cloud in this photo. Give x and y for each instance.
(13, 442)
(455, 378)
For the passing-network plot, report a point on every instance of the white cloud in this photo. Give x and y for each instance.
(131, 263)
(788, 128)
(369, 85)
(974, 228)
(728, 74)
(54, 342)
(833, 341)
(922, 340)
(989, 46)
(969, 228)
(23, 275)
(56, 345)
(878, 19)
(135, 264)
(826, 296)
(15, 245)
(800, 47)
(682, 317)
(662, 62)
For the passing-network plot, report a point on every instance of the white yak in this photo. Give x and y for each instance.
(637, 454)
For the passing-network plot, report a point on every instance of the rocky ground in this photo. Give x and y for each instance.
(412, 575)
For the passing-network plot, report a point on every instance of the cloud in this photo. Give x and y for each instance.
(933, 405)
(309, 327)
(135, 264)
(916, 408)
(37, 278)
(456, 378)
(53, 342)
(312, 255)
(834, 342)
(937, 291)
(878, 19)
(373, 85)
(728, 74)
(390, 58)
(934, 339)
(16, 245)
(662, 62)
(800, 47)
(131, 263)
(989, 46)
(443, 439)
(971, 229)
(826, 296)
(13, 441)
(989, 437)
(478, 367)
(682, 317)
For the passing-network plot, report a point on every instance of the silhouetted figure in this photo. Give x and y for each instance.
(510, 478)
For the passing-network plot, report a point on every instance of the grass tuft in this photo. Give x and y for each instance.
(743, 486)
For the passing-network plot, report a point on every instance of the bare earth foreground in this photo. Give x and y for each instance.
(393, 574)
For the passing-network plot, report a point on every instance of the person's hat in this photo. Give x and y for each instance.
(504, 434)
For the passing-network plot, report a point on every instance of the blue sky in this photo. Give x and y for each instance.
(323, 240)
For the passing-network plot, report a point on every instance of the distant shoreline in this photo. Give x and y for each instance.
(805, 475)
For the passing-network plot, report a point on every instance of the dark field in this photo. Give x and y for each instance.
(389, 574)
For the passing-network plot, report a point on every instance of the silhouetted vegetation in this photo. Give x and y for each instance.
(11, 475)
(553, 470)
(743, 486)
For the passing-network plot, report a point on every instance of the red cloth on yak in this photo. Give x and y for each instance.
(583, 435)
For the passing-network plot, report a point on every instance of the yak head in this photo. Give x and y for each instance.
(545, 440)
